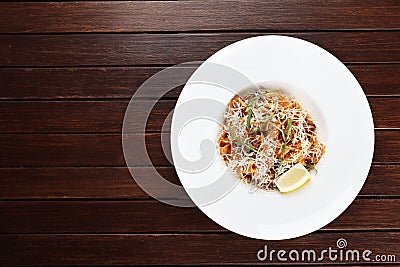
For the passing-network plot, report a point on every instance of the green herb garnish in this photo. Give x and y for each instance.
(249, 146)
(249, 115)
(250, 112)
(289, 129)
(240, 142)
(286, 135)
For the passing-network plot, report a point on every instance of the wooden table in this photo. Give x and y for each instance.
(67, 72)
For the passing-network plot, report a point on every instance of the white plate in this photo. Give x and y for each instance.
(324, 86)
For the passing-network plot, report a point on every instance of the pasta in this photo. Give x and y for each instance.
(264, 134)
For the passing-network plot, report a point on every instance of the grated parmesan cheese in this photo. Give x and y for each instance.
(264, 134)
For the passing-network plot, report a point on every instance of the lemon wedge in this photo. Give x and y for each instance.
(293, 179)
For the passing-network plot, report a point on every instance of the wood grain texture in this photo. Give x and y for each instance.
(382, 175)
(70, 183)
(123, 249)
(107, 82)
(384, 112)
(154, 216)
(75, 150)
(141, 16)
(84, 150)
(122, 82)
(80, 116)
(142, 49)
(108, 116)
(378, 79)
(117, 182)
(66, 195)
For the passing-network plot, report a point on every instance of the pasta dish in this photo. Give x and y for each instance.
(265, 133)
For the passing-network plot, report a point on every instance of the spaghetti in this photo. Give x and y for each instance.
(264, 134)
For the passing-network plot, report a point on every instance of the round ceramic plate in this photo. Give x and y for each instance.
(323, 86)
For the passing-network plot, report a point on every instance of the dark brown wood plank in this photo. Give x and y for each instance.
(122, 82)
(79, 116)
(198, 15)
(378, 79)
(386, 175)
(134, 49)
(108, 116)
(80, 150)
(122, 249)
(154, 216)
(114, 182)
(386, 147)
(62, 150)
(107, 82)
(117, 183)
(386, 112)
(73, 150)
(75, 116)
